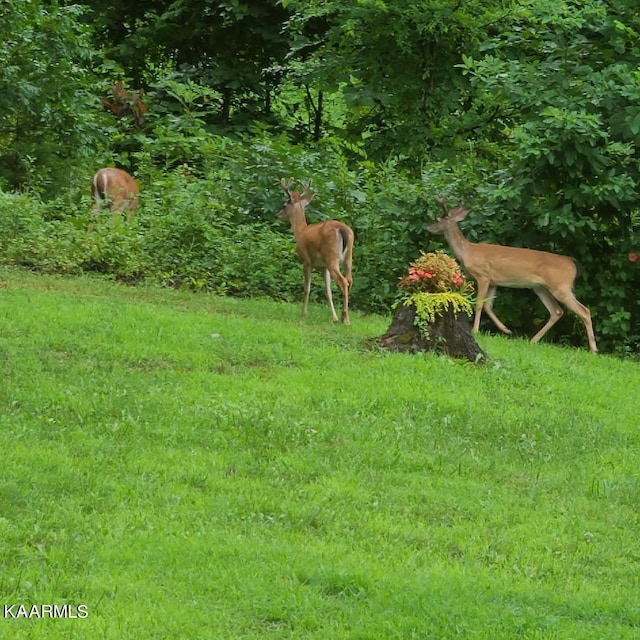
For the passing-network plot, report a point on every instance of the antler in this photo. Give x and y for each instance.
(442, 202)
(305, 187)
(287, 185)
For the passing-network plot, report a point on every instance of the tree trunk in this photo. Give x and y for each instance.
(449, 334)
(225, 114)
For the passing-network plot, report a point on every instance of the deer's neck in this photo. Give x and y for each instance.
(298, 222)
(458, 243)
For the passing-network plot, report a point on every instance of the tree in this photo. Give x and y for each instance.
(47, 110)
(222, 44)
(563, 78)
(394, 65)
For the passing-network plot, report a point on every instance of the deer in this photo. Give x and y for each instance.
(123, 103)
(550, 275)
(116, 190)
(321, 245)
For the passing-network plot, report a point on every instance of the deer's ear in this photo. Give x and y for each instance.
(458, 214)
(306, 199)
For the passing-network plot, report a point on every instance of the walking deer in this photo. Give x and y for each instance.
(116, 190)
(550, 275)
(322, 245)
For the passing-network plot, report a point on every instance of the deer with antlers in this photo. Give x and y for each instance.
(116, 190)
(550, 275)
(322, 245)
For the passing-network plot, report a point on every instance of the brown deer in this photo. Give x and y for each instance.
(550, 275)
(323, 245)
(116, 190)
(122, 103)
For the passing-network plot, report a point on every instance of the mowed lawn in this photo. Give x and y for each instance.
(184, 466)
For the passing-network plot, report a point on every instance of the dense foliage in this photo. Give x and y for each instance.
(528, 111)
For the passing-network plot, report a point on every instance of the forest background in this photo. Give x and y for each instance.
(528, 111)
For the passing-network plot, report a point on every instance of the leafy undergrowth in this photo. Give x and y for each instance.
(186, 466)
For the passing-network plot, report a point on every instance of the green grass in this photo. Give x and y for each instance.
(196, 467)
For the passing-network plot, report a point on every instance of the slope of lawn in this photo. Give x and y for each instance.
(185, 466)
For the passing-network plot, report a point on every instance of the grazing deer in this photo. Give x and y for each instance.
(550, 275)
(116, 190)
(320, 245)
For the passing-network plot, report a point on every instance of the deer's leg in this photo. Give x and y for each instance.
(98, 200)
(132, 206)
(571, 302)
(488, 307)
(344, 285)
(486, 294)
(554, 309)
(483, 288)
(307, 287)
(327, 284)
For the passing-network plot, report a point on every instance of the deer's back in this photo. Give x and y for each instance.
(518, 267)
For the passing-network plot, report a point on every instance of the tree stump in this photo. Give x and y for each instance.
(449, 334)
